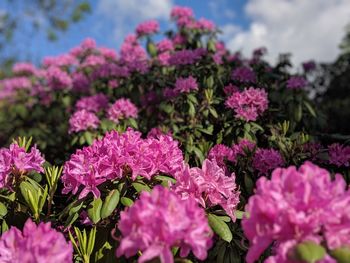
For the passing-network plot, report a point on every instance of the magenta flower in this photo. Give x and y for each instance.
(117, 156)
(296, 82)
(165, 45)
(248, 104)
(309, 65)
(244, 74)
(122, 108)
(24, 68)
(186, 85)
(93, 61)
(57, 78)
(220, 153)
(82, 120)
(339, 155)
(209, 185)
(180, 11)
(93, 103)
(36, 243)
(295, 206)
(205, 24)
(159, 221)
(147, 28)
(265, 160)
(16, 161)
(186, 57)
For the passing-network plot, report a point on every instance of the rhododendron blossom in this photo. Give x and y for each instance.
(83, 120)
(16, 161)
(186, 85)
(296, 82)
(147, 28)
(265, 160)
(93, 103)
(209, 185)
(339, 155)
(118, 155)
(122, 108)
(294, 206)
(36, 243)
(244, 74)
(159, 221)
(248, 104)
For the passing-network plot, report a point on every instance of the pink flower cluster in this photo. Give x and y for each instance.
(186, 56)
(209, 186)
(186, 85)
(147, 28)
(16, 161)
(221, 152)
(248, 104)
(296, 82)
(133, 55)
(339, 155)
(122, 108)
(24, 68)
(244, 74)
(118, 155)
(295, 206)
(93, 103)
(159, 221)
(36, 243)
(82, 120)
(265, 160)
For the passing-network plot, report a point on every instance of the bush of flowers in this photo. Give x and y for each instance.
(174, 150)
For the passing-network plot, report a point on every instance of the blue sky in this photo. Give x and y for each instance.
(308, 29)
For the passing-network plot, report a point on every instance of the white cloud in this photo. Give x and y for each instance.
(126, 14)
(309, 29)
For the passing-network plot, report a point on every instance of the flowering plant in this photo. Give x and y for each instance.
(175, 150)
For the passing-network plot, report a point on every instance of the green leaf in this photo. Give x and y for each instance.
(220, 227)
(213, 112)
(298, 112)
(310, 109)
(309, 252)
(342, 254)
(139, 187)
(94, 210)
(126, 201)
(3, 210)
(191, 109)
(241, 214)
(199, 154)
(110, 203)
(88, 137)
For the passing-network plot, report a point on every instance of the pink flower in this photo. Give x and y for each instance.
(296, 82)
(179, 11)
(93, 103)
(93, 61)
(165, 45)
(248, 104)
(117, 156)
(24, 68)
(16, 161)
(147, 28)
(220, 153)
(82, 120)
(230, 89)
(209, 186)
(57, 78)
(205, 24)
(294, 205)
(186, 57)
(339, 155)
(64, 60)
(186, 85)
(244, 74)
(108, 53)
(265, 160)
(36, 243)
(159, 221)
(122, 108)
(309, 65)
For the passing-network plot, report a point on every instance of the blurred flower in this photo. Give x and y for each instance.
(122, 108)
(82, 120)
(296, 82)
(339, 155)
(36, 243)
(93, 103)
(244, 74)
(265, 160)
(159, 221)
(147, 28)
(186, 85)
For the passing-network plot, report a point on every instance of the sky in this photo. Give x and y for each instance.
(309, 29)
